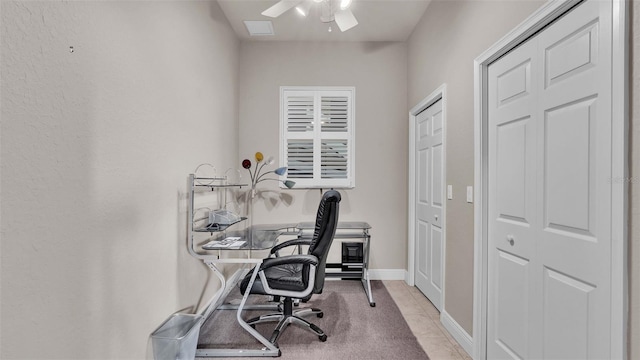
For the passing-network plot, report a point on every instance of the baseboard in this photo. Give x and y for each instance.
(387, 274)
(408, 279)
(457, 332)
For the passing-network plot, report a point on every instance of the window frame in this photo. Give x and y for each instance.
(317, 92)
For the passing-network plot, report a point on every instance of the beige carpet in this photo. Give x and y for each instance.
(354, 329)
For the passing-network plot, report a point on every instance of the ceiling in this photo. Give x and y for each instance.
(379, 20)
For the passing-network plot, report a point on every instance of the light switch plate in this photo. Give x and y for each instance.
(469, 194)
(450, 192)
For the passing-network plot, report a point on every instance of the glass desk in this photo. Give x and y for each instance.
(258, 237)
(351, 230)
(238, 251)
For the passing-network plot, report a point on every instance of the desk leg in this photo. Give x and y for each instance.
(269, 349)
(365, 269)
(214, 299)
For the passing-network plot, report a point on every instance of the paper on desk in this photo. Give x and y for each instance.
(229, 242)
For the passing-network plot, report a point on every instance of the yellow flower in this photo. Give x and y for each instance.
(259, 156)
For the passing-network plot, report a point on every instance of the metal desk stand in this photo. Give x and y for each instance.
(348, 230)
(255, 238)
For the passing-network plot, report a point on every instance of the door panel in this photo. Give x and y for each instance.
(436, 261)
(436, 176)
(424, 156)
(512, 178)
(422, 247)
(566, 301)
(429, 205)
(549, 192)
(514, 83)
(512, 298)
(575, 53)
(437, 122)
(569, 167)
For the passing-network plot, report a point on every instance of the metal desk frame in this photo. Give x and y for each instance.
(213, 261)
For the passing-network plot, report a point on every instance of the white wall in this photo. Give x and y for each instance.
(96, 148)
(441, 50)
(379, 73)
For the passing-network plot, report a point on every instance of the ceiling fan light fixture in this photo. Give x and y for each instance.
(345, 19)
(329, 11)
(303, 9)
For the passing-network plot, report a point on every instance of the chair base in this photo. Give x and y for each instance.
(287, 317)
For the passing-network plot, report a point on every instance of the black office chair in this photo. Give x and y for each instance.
(297, 276)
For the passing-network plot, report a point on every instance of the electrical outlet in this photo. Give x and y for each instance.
(469, 194)
(450, 192)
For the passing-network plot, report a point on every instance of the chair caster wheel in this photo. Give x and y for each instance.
(323, 338)
(320, 315)
(253, 326)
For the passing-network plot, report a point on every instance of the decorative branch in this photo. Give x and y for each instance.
(257, 177)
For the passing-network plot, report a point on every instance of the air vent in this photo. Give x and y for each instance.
(259, 28)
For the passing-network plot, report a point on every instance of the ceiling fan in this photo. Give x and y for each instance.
(332, 11)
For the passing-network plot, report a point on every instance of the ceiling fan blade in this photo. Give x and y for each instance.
(345, 19)
(280, 8)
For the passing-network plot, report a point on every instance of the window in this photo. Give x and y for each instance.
(317, 136)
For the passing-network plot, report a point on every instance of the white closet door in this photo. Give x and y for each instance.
(430, 192)
(574, 184)
(550, 192)
(513, 128)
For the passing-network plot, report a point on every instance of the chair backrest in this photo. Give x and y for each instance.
(326, 223)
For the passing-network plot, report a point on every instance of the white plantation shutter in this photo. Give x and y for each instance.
(334, 159)
(317, 136)
(299, 113)
(300, 159)
(335, 113)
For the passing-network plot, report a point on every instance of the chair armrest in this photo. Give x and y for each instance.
(289, 259)
(293, 242)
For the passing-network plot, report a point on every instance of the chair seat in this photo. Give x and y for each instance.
(282, 277)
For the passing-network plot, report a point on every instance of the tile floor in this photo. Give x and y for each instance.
(424, 320)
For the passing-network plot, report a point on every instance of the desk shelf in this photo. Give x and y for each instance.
(212, 183)
(217, 227)
(215, 186)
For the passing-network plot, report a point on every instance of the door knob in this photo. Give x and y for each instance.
(436, 216)
(511, 240)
